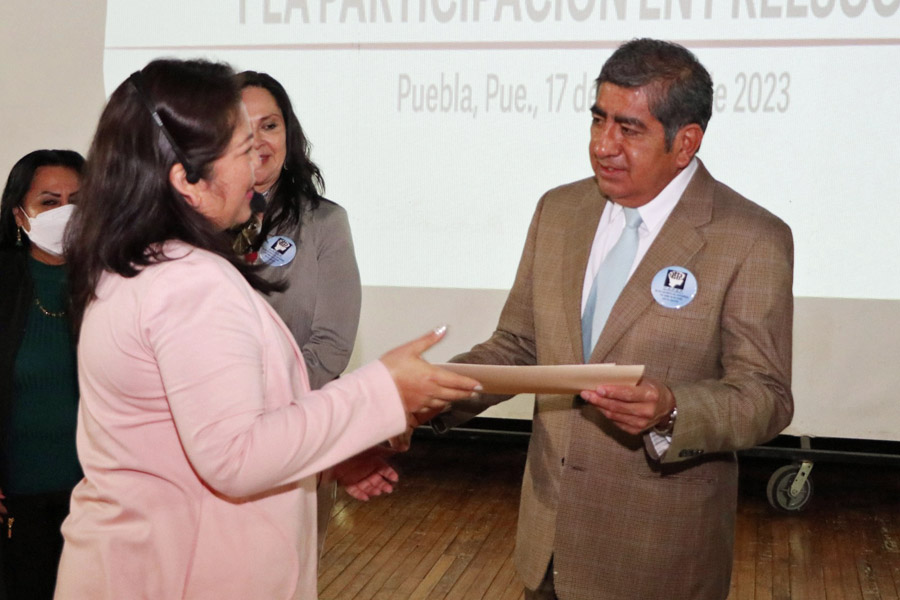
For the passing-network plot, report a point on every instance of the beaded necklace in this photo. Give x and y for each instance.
(49, 313)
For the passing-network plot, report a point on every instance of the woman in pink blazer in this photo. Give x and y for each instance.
(199, 438)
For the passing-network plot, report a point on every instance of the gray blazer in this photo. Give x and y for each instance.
(321, 306)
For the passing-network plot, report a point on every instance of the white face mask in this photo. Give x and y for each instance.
(48, 228)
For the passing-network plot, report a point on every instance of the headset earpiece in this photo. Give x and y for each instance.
(136, 80)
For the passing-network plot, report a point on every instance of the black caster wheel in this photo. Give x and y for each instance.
(779, 490)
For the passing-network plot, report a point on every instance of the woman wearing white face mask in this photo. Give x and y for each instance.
(38, 379)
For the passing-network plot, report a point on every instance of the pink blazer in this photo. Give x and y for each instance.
(200, 440)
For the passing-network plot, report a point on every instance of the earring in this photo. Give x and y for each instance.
(18, 236)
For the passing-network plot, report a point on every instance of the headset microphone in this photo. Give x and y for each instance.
(190, 174)
(258, 203)
(137, 82)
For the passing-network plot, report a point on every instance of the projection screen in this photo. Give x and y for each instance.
(439, 123)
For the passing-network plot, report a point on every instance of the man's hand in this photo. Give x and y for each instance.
(423, 415)
(366, 475)
(633, 408)
(402, 442)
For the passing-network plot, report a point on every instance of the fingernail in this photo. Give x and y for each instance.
(440, 330)
(478, 388)
(474, 395)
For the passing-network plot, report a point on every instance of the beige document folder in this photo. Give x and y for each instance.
(547, 379)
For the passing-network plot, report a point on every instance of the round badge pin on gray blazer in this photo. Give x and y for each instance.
(278, 251)
(674, 287)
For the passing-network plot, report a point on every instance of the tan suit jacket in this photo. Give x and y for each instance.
(619, 522)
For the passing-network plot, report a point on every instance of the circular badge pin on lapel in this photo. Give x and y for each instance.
(674, 287)
(278, 251)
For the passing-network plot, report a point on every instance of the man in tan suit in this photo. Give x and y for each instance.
(630, 492)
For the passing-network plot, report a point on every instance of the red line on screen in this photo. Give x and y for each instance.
(525, 45)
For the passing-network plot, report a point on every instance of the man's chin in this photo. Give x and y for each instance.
(606, 190)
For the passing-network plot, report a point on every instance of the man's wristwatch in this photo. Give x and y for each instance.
(667, 428)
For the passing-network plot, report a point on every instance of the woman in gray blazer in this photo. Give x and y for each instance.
(303, 239)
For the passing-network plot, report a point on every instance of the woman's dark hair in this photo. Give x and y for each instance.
(300, 185)
(128, 207)
(19, 182)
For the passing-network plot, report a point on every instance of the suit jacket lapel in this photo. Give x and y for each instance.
(676, 243)
(578, 250)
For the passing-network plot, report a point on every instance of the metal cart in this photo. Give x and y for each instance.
(790, 487)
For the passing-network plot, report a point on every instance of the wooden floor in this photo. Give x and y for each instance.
(448, 531)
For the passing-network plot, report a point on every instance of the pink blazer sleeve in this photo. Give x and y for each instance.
(238, 391)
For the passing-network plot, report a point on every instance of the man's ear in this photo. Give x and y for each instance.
(191, 192)
(687, 143)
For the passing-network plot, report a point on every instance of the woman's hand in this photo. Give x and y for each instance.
(421, 384)
(366, 475)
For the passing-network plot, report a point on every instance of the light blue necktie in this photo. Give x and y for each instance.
(608, 283)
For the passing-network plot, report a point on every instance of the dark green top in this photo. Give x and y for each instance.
(41, 444)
